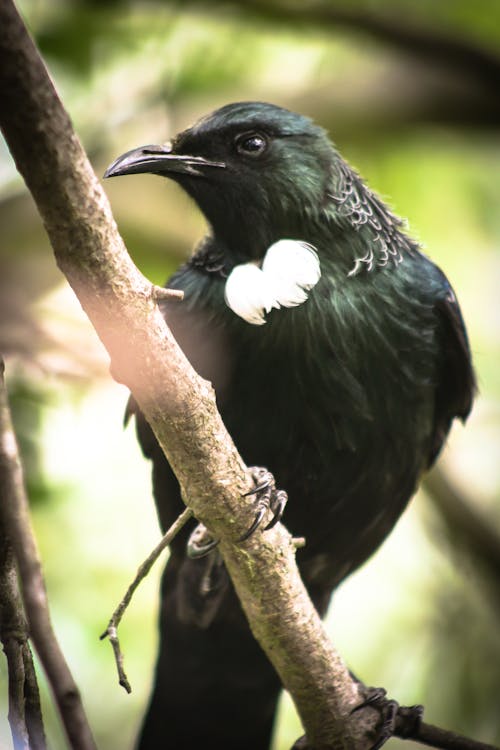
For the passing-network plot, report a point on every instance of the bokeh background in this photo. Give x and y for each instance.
(410, 91)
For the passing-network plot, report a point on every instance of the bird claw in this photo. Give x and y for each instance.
(267, 498)
(200, 542)
(408, 717)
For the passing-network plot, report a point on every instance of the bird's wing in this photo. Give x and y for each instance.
(457, 383)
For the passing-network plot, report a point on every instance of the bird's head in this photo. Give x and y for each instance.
(255, 170)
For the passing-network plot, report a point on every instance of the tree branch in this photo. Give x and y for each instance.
(423, 42)
(463, 84)
(15, 517)
(443, 739)
(469, 529)
(178, 404)
(25, 714)
(13, 634)
(470, 533)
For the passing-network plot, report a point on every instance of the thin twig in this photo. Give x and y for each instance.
(161, 293)
(20, 533)
(111, 631)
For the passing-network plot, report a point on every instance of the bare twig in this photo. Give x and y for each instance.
(20, 533)
(111, 631)
(161, 293)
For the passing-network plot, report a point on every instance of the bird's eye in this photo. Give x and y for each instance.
(251, 144)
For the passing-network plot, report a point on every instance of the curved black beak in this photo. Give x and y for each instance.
(160, 160)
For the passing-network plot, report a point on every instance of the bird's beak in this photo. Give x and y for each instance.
(160, 160)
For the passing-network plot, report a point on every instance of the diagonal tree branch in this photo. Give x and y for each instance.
(179, 405)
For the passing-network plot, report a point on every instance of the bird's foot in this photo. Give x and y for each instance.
(391, 713)
(267, 497)
(200, 542)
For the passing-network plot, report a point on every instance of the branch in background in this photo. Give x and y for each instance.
(34, 720)
(468, 529)
(25, 716)
(12, 633)
(16, 521)
(422, 41)
(468, 93)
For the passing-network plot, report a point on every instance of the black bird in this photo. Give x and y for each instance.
(339, 358)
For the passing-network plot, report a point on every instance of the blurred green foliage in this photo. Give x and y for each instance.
(417, 618)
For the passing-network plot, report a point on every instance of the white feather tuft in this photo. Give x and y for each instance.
(249, 293)
(289, 270)
(294, 268)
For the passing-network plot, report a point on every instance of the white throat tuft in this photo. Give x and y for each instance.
(290, 269)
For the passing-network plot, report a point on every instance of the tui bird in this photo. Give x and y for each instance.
(339, 358)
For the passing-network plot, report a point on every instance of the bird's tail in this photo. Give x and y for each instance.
(214, 686)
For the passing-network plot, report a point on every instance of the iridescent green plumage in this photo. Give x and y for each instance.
(346, 398)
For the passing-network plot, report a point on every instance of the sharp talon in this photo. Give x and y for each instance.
(281, 501)
(257, 520)
(267, 498)
(200, 542)
(257, 489)
(199, 551)
(274, 520)
(375, 696)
